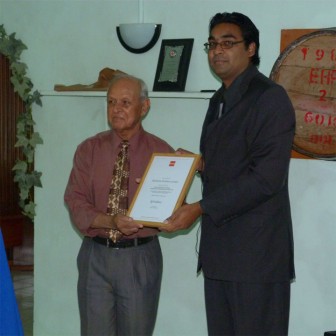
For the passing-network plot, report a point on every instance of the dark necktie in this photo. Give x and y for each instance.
(118, 197)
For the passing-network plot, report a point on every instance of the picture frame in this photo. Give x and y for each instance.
(163, 187)
(173, 64)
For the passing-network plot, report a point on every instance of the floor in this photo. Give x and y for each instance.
(23, 281)
(22, 271)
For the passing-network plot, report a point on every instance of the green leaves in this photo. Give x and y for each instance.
(25, 178)
(24, 141)
(27, 139)
(29, 210)
(10, 46)
(35, 98)
(20, 166)
(26, 181)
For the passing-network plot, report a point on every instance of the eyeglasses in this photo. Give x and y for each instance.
(223, 45)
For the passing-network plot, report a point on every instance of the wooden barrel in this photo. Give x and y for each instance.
(307, 70)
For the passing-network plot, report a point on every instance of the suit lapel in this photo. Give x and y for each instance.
(240, 87)
(232, 99)
(211, 117)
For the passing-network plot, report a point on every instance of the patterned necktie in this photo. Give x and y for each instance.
(118, 197)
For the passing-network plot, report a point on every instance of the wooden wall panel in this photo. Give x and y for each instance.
(11, 106)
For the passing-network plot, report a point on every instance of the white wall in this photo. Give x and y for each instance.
(69, 42)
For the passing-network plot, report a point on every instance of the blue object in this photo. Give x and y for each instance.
(10, 320)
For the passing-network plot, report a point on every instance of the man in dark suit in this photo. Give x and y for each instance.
(246, 247)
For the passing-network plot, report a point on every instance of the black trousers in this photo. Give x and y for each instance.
(247, 308)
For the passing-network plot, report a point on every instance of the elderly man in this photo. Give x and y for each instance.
(120, 261)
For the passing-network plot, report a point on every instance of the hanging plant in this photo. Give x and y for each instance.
(25, 175)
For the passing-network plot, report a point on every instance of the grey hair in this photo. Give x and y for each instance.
(142, 84)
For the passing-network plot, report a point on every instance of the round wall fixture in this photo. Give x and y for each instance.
(138, 37)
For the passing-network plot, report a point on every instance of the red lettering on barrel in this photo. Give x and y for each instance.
(313, 76)
(304, 52)
(323, 94)
(319, 54)
(320, 119)
(333, 55)
(324, 76)
(321, 139)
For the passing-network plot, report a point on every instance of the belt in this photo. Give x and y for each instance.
(123, 243)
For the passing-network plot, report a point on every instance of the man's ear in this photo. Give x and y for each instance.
(251, 49)
(145, 107)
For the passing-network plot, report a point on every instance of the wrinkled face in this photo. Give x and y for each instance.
(229, 63)
(125, 108)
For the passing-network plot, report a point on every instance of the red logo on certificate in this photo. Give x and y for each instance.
(172, 163)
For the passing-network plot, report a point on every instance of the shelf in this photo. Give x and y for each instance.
(156, 94)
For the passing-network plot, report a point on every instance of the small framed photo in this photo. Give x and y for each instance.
(173, 65)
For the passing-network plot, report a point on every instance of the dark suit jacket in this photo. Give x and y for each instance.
(246, 225)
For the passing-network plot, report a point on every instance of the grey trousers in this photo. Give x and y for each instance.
(118, 289)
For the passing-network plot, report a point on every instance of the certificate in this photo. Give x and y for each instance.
(163, 188)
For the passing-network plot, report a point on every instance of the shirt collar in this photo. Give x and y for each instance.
(134, 142)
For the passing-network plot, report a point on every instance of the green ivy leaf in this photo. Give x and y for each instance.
(30, 179)
(20, 178)
(2, 31)
(20, 165)
(35, 139)
(36, 98)
(29, 153)
(19, 69)
(20, 126)
(22, 141)
(26, 118)
(24, 192)
(16, 46)
(21, 86)
(29, 210)
(27, 139)
(37, 179)
(5, 46)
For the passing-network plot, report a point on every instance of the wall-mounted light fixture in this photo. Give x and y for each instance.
(138, 37)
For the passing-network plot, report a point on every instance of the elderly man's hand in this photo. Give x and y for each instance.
(126, 224)
(182, 218)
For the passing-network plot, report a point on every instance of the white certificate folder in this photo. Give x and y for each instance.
(163, 188)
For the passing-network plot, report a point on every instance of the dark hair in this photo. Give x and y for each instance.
(249, 30)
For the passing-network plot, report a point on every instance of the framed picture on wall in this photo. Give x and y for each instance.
(173, 65)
